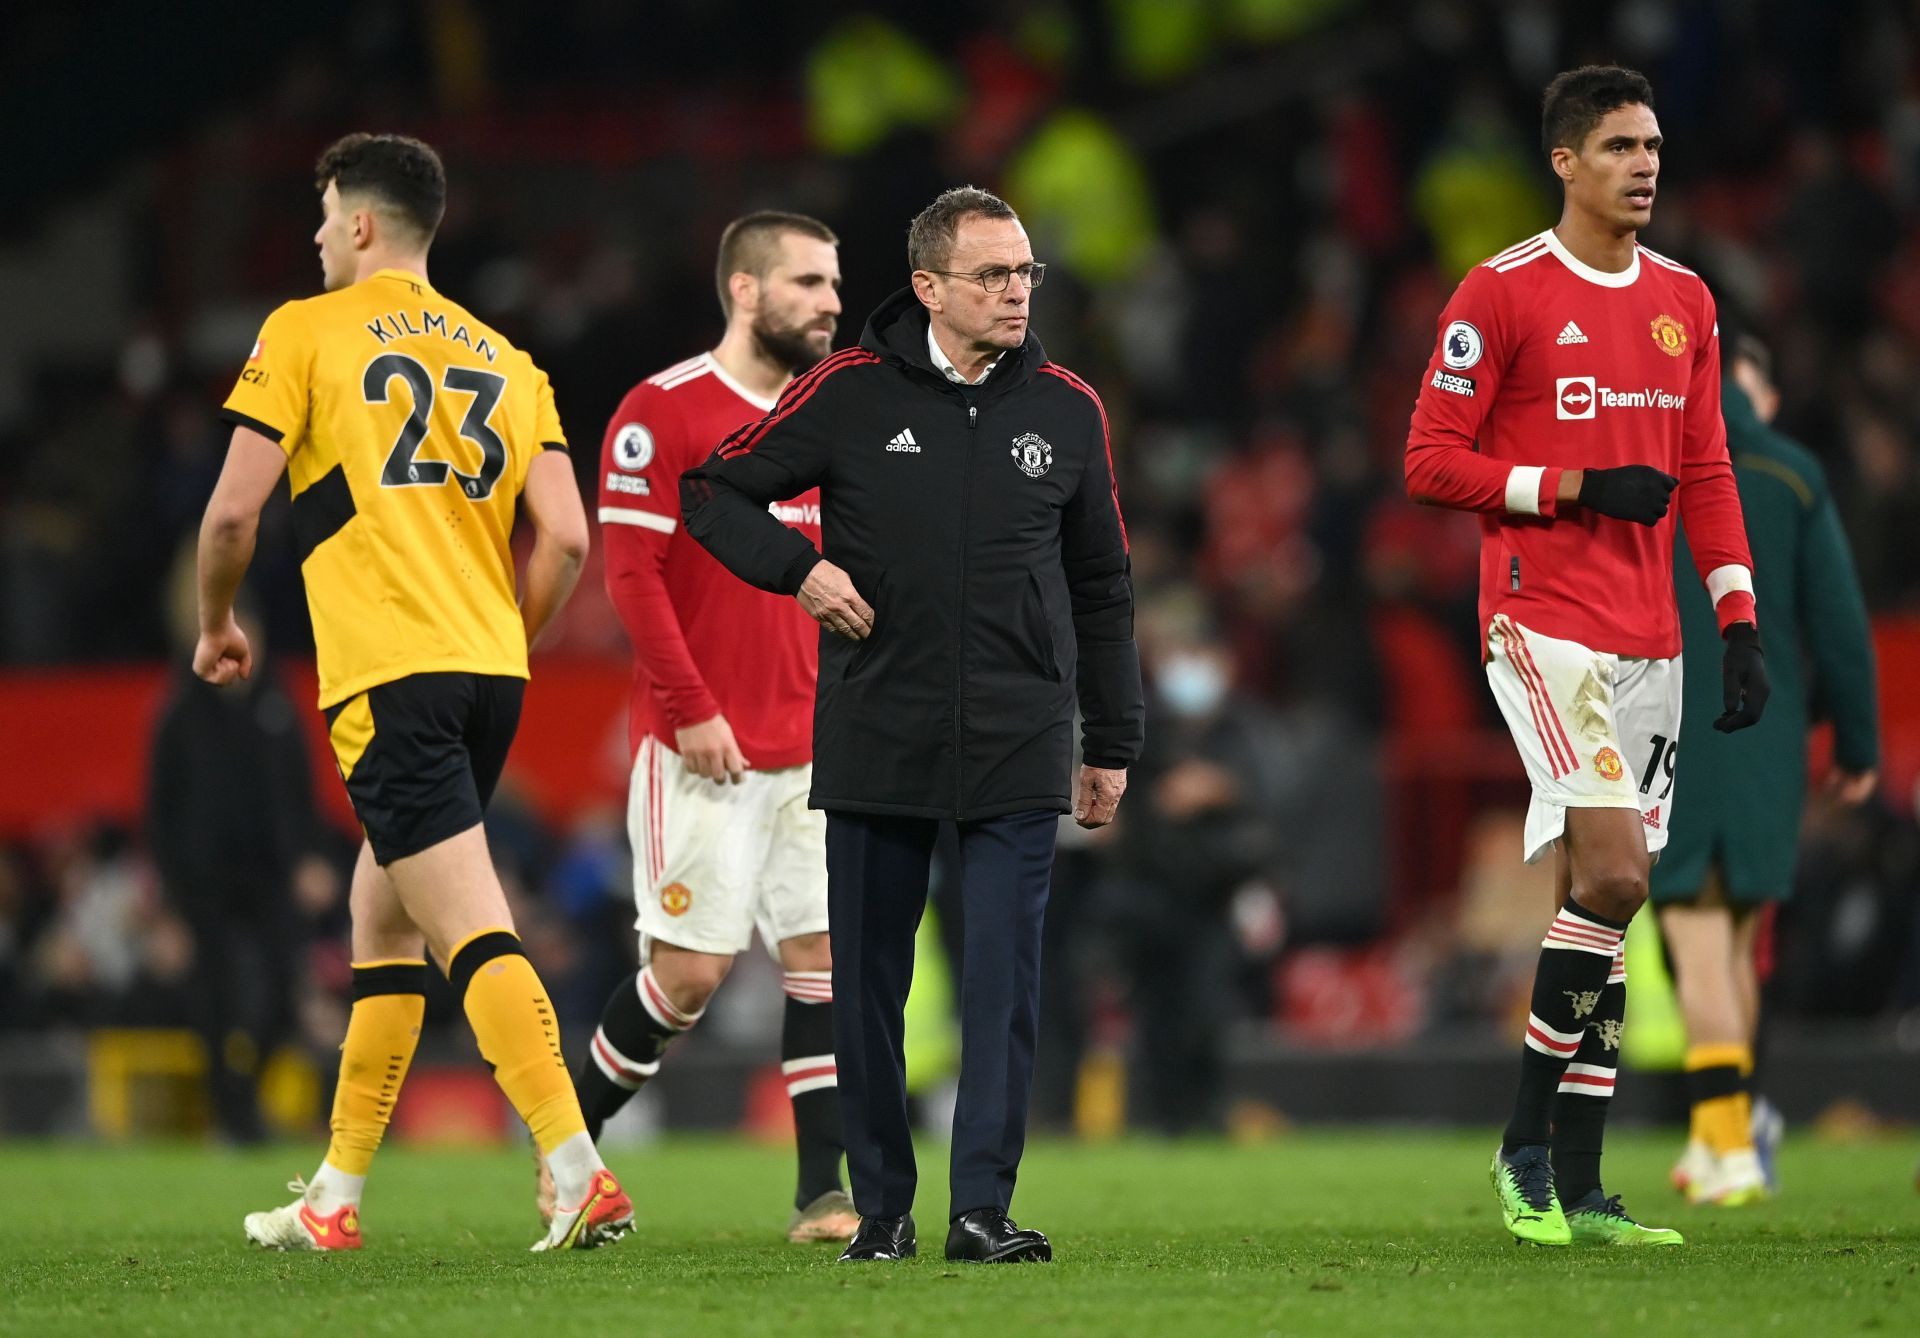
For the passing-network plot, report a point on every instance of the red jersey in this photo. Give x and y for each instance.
(1550, 365)
(705, 642)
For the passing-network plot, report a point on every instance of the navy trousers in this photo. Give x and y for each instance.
(876, 889)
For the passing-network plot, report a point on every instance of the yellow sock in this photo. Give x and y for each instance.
(519, 1035)
(1721, 1109)
(389, 1000)
(1746, 1092)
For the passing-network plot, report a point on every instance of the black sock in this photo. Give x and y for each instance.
(1576, 958)
(635, 1030)
(806, 1057)
(1709, 1084)
(1586, 1091)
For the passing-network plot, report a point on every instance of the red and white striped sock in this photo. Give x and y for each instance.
(638, 1025)
(808, 986)
(1585, 1092)
(1577, 957)
(654, 999)
(1591, 1073)
(1581, 930)
(813, 1081)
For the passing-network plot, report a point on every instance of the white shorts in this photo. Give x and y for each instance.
(713, 862)
(1595, 731)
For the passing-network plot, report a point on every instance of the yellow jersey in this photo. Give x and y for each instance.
(409, 427)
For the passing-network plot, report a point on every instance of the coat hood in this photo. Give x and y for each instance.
(897, 331)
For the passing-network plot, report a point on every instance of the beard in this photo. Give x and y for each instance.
(790, 347)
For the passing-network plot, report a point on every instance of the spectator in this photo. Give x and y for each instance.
(1201, 828)
(230, 821)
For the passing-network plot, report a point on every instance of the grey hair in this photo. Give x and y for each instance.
(930, 237)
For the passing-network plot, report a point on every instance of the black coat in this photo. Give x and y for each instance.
(983, 526)
(230, 796)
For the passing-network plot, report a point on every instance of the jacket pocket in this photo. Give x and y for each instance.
(1043, 643)
(863, 651)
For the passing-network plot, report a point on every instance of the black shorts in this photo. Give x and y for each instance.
(421, 755)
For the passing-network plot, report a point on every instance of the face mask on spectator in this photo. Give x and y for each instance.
(1191, 685)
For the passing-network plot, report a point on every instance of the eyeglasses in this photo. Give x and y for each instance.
(995, 280)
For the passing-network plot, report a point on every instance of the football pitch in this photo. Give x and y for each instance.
(1313, 1233)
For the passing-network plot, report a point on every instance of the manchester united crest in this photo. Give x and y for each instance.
(674, 898)
(1607, 763)
(1032, 453)
(1670, 335)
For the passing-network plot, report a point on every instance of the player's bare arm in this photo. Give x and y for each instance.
(227, 532)
(830, 599)
(559, 540)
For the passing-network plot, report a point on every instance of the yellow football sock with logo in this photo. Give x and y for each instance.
(389, 1001)
(514, 1022)
(1721, 1107)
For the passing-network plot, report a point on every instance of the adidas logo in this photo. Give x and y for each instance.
(905, 442)
(1571, 335)
(1652, 817)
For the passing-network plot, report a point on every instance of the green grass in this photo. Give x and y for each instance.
(1376, 1233)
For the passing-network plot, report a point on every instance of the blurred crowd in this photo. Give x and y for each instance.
(1254, 209)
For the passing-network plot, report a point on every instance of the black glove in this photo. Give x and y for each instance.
(1743, 673)
(1632, 492)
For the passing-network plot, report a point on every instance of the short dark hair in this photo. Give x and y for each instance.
(400, 173)
(1577, 100)
(930, 237)
(1739, 339)
(1749, 348)
(749, 242)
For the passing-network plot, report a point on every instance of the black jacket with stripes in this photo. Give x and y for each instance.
(983, 526)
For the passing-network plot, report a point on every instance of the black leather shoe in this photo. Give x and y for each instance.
(989, 1236)
(882, 1238)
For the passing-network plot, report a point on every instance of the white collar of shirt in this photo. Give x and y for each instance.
(725, 378)
(1605, 278)
(945, 364)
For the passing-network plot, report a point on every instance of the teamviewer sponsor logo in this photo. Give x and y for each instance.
(1650, 398)
(1579, 397)
(1453, 385)
(1576, 397)
(795, 513)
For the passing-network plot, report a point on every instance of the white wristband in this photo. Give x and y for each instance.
(1523, 489)
(1723, 581)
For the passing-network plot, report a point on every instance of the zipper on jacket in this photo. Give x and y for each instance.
(1513, 573)
(960, 638)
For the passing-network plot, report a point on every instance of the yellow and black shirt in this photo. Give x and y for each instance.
(409, 427)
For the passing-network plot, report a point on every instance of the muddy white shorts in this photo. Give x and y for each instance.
(711, 863)
(1595, 730)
